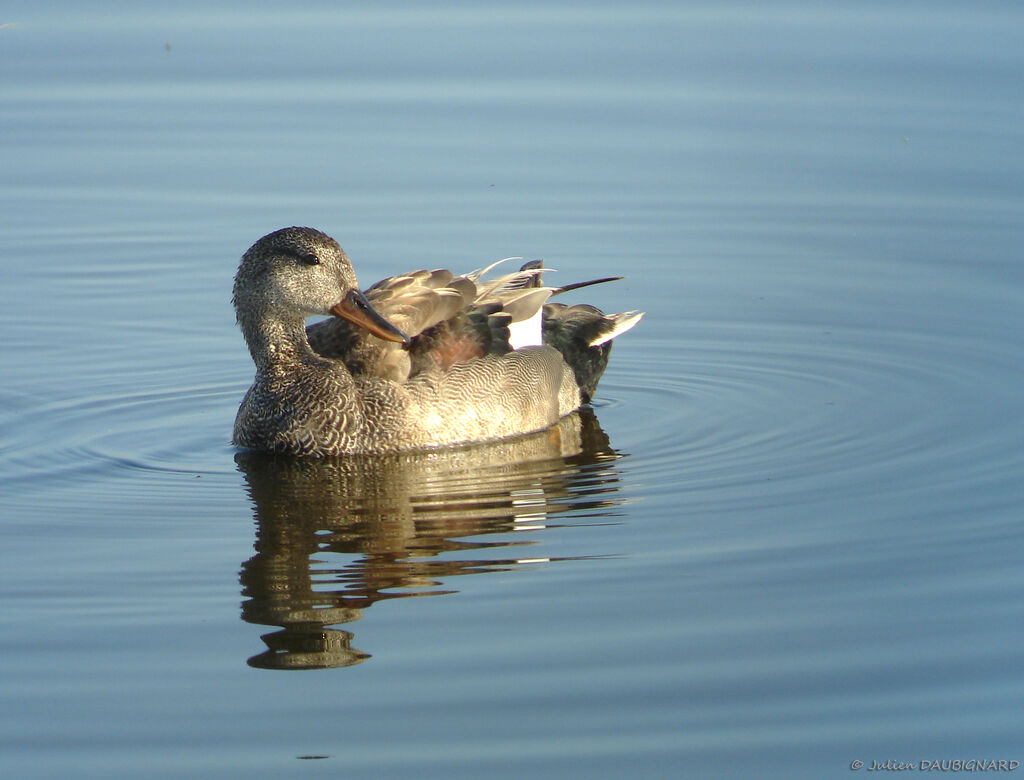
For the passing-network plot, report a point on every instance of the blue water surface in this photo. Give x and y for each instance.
(786, 538)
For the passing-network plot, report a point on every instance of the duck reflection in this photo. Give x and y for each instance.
(336, 535)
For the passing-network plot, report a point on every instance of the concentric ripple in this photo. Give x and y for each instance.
(741, 414)
(757, 413)
(144, 443)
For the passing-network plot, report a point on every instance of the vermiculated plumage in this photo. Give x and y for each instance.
(446, 375)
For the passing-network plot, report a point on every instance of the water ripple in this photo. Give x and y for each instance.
(775, 410)
(742, 414)
(179, 431)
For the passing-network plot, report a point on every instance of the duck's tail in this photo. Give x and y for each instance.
(583, 334)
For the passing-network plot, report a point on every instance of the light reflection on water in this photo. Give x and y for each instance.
(813, 551)
(334, 536)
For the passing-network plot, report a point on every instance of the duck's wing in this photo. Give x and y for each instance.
(524, 295)
(451, 319)
(414, 302)
(448, 318)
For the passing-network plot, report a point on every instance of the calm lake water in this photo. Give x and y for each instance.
(788, 535)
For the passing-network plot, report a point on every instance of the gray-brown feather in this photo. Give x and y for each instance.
(322, 411)
(333, 389)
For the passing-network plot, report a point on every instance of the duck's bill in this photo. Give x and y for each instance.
(356, 309)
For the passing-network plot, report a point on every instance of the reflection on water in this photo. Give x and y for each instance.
(400, 520)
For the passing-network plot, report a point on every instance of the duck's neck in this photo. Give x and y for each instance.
(277, 342)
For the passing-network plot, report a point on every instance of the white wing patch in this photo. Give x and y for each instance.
(526, 333)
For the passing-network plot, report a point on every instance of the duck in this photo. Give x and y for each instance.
(418, 361)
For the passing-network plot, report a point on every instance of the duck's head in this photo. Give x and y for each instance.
(297, 272)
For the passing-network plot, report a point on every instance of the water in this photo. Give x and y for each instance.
(786, 539)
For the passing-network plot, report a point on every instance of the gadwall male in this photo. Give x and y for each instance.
(418, 361)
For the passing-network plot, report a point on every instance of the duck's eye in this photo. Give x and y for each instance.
(309, 259)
